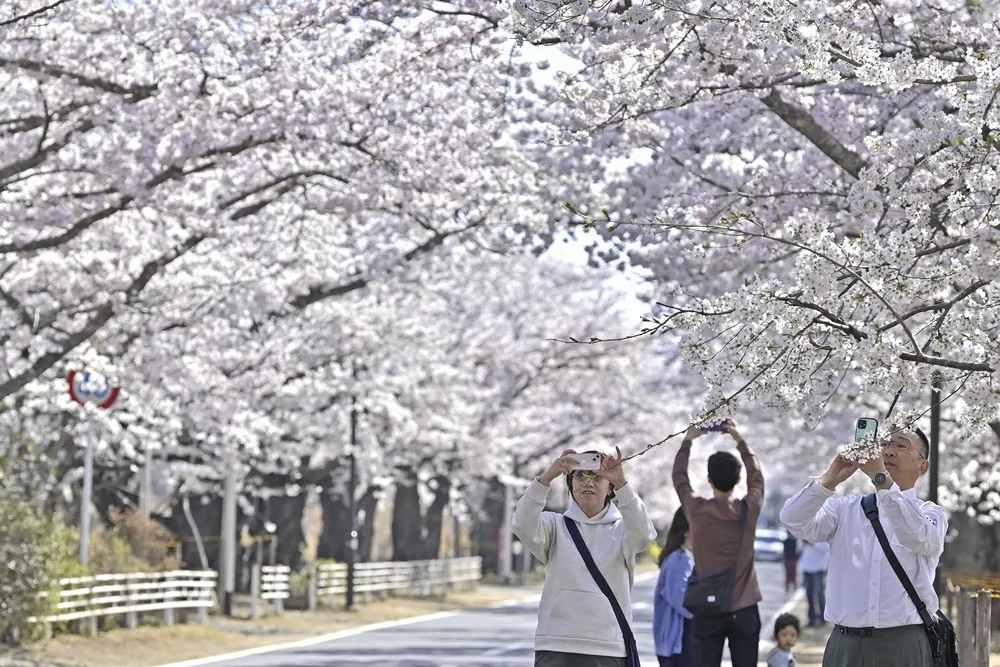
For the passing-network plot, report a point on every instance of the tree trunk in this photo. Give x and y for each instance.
(286, 511)
(407, 524)
(486, 527)
(434, 517)
(207, 513)
(333, 540)
(366, 533)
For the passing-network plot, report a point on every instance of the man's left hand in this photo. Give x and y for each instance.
(612, 470)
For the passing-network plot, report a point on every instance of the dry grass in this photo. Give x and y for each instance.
(151, 646)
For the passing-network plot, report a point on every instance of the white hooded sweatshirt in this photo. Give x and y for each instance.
(574, 616)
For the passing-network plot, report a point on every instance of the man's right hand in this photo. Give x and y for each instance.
(838, 472)
(561, 466)
(692, 433)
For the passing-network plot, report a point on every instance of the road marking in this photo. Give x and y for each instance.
(500, 650)
(531, 599)
(312, 641)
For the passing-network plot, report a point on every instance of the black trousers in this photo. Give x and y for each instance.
(740, 627)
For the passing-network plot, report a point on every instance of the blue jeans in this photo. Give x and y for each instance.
(816, 596)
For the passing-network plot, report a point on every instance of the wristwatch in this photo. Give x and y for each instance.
(879, 478)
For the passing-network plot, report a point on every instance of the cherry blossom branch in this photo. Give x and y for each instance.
(171, 173)
(129, 93)
(802, 121)
(33, 13)
(102, 316)
(945, 307)
(947, 363)
(832, 319)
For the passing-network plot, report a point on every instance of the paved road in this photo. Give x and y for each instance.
(480, 638)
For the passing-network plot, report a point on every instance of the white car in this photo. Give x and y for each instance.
(768, 544)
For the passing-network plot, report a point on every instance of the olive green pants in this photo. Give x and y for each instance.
(905, 646)
(559, 659)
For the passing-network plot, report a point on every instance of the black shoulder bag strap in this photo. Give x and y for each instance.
(631, 650)
(870, 507)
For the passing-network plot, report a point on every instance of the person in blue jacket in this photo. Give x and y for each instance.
(671, 621)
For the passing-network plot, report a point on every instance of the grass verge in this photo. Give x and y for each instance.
(149, 646)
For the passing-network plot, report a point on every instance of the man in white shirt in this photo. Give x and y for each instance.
(876, 623)
(815, 561)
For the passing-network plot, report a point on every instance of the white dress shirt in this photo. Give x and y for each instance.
(862, 589)
(815, 557)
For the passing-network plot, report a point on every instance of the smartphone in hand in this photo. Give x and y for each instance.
(719, 426)
(867, 427)
(587, 461)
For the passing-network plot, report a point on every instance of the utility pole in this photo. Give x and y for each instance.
(352, 546)
(935, 438)
(505, 538)
(933, 452)
(227, 543)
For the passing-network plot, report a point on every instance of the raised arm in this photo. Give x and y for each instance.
(755, 476)
(679, 474)
(812, 514)
(639, 529)
(531, 525)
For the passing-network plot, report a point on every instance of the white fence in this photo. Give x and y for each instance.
(85, 599)
(419, 577)
(269, 582)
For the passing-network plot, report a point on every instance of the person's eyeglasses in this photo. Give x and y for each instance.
(584, 475)
(902, 446)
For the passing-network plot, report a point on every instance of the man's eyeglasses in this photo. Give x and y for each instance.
(901, 445)
(584, 475)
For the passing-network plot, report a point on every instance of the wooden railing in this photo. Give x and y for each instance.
(419, 577)
(85, 599)
(969, 598)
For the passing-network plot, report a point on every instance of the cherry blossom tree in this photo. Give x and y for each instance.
(811, 185)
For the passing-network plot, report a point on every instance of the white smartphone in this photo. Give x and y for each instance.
(586, 461)
(866, 427)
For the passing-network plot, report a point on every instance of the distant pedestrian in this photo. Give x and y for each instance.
(814, 562)
(577, 622)
(786, 634)
(791, 551)
(876, 621)
(672, 629)
(722, 536)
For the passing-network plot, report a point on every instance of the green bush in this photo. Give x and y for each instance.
(34, 552)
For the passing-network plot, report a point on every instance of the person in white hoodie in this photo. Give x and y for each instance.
(577, 626)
